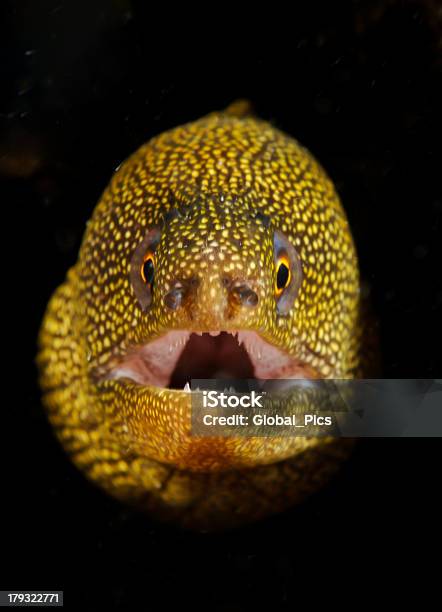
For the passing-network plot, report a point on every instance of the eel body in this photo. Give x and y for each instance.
(219, 249)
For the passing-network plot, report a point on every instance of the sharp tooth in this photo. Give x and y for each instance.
(187, 388)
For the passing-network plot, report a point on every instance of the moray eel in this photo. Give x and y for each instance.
(220, 248)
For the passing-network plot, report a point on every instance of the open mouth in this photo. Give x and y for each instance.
(176, 358)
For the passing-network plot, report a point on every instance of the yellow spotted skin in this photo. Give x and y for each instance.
(222, 174)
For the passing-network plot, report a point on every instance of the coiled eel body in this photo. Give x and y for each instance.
(219, 249)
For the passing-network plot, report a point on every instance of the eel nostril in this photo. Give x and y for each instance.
(174, 298)
(181, 291)
(245, 295)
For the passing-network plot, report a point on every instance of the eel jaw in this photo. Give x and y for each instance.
(175, 358)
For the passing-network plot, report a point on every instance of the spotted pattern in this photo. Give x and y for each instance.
(217, 189)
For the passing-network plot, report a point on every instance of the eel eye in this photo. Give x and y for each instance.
(148, 269)
(142, 267)
(283, 274)
(288, 269)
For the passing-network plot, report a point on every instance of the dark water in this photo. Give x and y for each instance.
(83, 85)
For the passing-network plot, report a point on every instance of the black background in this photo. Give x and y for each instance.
(82, 86)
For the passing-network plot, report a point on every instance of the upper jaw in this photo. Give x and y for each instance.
(176, 357)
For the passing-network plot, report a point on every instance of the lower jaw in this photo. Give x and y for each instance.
(155, 424)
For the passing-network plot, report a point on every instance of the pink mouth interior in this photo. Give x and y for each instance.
(174, 359)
